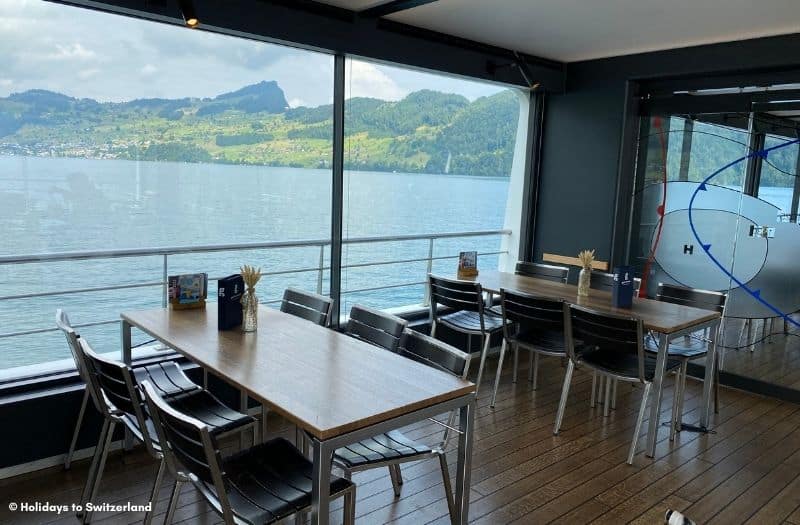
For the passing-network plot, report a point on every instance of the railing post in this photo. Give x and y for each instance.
(320, 267)
(165, 284)
(427, 300)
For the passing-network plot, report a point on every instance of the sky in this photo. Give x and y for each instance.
(88, 54)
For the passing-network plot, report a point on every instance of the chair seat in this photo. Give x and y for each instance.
(167, 377)
(682, 348)
(271, 481)
(201, 405)
(469, 321)
(392, 445)
(541, 340)
(624, 364)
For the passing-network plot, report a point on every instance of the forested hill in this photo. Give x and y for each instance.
(254, 125)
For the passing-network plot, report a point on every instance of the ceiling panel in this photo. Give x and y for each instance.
(570, 30)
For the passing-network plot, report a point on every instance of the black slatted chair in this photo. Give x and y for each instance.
(468, 316)
(690, 347)
(393, 448)
(310, 306)
(166, 376)
(601, 281)
(613, 346)
(532, 323)
(548, 272)
(375, 327)
(117, 385)
(262, 485)
(605, 282)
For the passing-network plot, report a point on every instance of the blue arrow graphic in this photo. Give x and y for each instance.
(756, 294)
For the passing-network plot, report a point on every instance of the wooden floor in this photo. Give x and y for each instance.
(774, 358)
(748, 471)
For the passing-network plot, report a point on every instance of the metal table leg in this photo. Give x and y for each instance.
(464, 468)
(127, 358)
(708, 380)
(658, 381)
(321, 482)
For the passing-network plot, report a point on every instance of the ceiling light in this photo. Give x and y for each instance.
(189, 14)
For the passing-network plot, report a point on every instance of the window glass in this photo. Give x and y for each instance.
(425, 155)
(117, 134)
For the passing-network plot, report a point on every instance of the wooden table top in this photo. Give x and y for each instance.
(322, 380)
(662, 317)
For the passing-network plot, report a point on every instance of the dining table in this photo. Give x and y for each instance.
(667, 321)
(336, 388)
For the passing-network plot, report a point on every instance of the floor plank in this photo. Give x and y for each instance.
(749, 470)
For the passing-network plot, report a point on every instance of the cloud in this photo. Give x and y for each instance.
(148, 69)
(366, 80)
(46, 45)
(74, 51)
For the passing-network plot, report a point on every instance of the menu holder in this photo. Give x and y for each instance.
(467, 264)
(229, 301)
(188, 291)
(622, 291)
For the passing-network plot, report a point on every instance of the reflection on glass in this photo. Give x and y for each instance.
(748, 234)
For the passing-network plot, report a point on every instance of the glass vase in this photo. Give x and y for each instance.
(584, 278)
(249, 311)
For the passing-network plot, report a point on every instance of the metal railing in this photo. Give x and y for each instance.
(166, 252)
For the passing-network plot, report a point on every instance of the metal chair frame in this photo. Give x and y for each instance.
(697, 298)
(461, 296)
(218, 498)
(62, 321)
(101, 373)
(431, 352)
(528, 309)
(637, 329)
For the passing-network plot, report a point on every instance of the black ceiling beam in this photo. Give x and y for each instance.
(393, 6)
(311, 25)
(716, 103)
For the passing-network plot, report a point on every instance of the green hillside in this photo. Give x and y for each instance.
(254, 125)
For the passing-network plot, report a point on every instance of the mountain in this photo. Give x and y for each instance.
(254, 125)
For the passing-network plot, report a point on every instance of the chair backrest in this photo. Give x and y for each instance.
(601, 281)
(439, 355)
(62, 321)
(376, 327)
(530, 314)
(705, 299)
(189, 448)
(116, 384)
(595, 330)
(558, 274)
(310, 306)
(455, 294)
(435, 353)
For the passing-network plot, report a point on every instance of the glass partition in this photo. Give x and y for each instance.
(713, 193)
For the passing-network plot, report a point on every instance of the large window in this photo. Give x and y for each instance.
(424, 155)
(119, 134)
(131, 150)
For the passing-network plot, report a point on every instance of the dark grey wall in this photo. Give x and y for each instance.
(583, 136)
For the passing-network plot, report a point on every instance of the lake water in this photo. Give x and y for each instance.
(55, 205)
